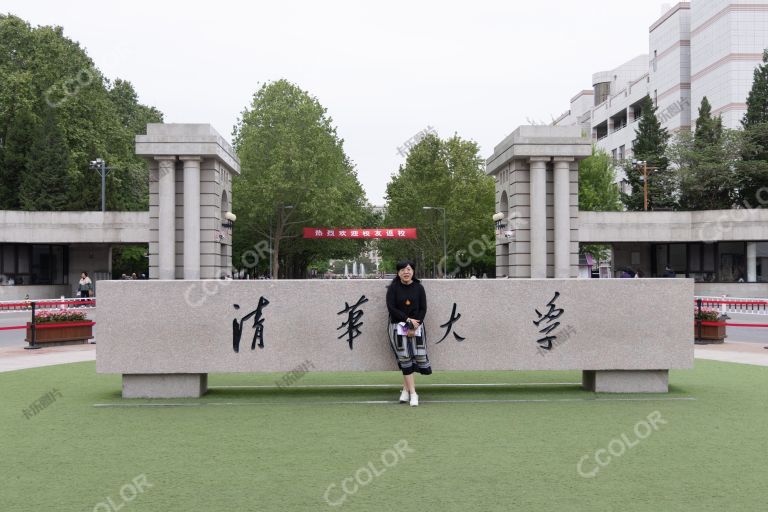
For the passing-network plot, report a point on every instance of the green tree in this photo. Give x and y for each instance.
(650, 146)
(44, 182)
(129, 259)
(757, 99)
(444, 174)
(752, 171)
(709, 130)
(598, 191)
(16, 143)
(41, 69)
(294, 173)
(705, 163)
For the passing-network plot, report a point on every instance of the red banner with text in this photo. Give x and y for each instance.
(403, 233)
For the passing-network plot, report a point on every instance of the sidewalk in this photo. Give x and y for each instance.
(734, 352)
(17, 358)
(20, 359)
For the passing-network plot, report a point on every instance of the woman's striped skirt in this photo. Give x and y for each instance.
(411, 352)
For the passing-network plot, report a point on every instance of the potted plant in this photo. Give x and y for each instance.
(51, 327)
(708, 333)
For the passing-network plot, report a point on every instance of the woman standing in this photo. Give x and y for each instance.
(407, 305)
(84, 286)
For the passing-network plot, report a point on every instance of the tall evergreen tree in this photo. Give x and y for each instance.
(705, 163)
(650, 146)
(757, 100)
(16, 144)
(43, 185)
(708, 129)
(752, 171)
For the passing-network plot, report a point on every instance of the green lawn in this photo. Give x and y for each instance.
(270, 449)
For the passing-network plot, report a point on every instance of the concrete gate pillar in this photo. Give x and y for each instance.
(562, 217)
(188, 238)
(191, 216)
(539, 217)
(166, 217)
(542, 204)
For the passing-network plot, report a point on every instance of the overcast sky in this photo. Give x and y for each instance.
(383, 70)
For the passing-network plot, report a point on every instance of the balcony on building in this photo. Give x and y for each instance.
(601, 130)
(619, 120)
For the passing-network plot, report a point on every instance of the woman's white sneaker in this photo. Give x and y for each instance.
(404, 396)
(414, 400)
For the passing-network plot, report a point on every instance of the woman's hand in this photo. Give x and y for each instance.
(415, 322)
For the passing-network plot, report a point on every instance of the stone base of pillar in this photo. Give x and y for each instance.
(626, 381)
(165, 385)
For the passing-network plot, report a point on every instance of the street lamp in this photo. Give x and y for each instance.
(101, 166)
(644, 163)
(445, 240)
(230, 218)
(498, 220)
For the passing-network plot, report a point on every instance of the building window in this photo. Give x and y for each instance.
(613, 154)
(762, 262)
(654, 60)
(655, 97)
(694, 258)
(31, 264)
(622, 154)
(732, 264)
(677, 256)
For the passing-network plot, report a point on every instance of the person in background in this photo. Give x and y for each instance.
(84, 286)
(627, 273)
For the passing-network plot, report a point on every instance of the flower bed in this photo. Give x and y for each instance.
(708, 333)
(80, 329)
(56, 316)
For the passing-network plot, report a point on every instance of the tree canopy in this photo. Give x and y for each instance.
(705, 163)
(446, 174)
(51, 92)
(752, 170)
(650, 147)
(295, 173)
(598, 191)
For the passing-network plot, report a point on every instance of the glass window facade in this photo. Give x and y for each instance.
(732, 262)
(723, 262)
(25, 264)
(762, 262)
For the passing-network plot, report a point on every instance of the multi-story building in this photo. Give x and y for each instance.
(695, 49)
(727, 43)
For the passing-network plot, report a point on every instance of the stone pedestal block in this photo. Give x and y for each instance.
(165, 385)
(626, 381)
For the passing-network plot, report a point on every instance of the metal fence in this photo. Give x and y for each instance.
(750, 306)
(62, 303)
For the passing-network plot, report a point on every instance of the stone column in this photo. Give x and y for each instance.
(751, 262)
(562, 218)
(191, 216)
(539, 217)
(167, 217)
